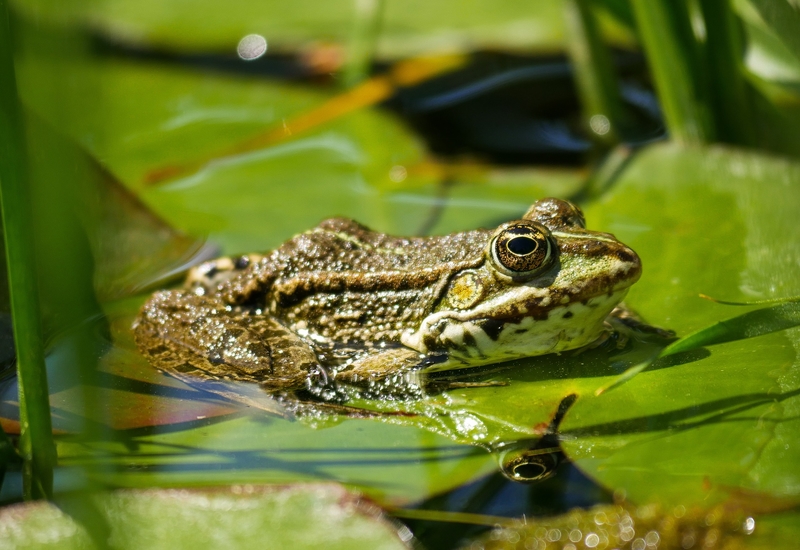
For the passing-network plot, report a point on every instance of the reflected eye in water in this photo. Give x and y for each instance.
(533, 460)
(522, 249)
(530, 465)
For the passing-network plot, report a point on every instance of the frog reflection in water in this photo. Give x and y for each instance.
(341, 309)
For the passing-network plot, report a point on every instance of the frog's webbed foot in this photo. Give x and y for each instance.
(191, 336)
(628, 322)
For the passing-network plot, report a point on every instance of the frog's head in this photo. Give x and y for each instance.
(546, 285)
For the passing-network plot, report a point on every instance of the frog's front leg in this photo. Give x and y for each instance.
(394, 372)
(193, 336)
(623, 317)
(400, 373)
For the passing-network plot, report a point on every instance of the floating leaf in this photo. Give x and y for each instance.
(235, 517)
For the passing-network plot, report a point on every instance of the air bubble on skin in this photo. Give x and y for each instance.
(470, 426)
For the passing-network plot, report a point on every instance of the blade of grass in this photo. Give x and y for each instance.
(748, 325)
(363, 39)
(666, 34)
(36, 441)
(754, 303)
(603, 111)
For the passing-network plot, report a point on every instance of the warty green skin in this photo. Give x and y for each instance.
(340, 304)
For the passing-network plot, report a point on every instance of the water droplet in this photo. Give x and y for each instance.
(398, 173)
(600, 124)
(251, 47)
(749, 525)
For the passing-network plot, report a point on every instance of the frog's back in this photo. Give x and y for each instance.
(340, 281)
(343, 246)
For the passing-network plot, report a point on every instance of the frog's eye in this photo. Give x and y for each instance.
(522, 249)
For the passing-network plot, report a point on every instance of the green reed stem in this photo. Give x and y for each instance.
(673, 55)
(36, 440)
(363, 40)
(728, 92)
(603, 110)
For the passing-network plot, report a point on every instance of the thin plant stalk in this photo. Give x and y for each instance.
(603, 110)
(672, 53)
(36, 440)
(363, 40)
(724, 53)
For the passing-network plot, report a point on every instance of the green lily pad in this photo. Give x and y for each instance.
(300, 516)
(700, 424)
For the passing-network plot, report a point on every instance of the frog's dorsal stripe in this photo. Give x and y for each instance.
(592, 236)
(342, 236)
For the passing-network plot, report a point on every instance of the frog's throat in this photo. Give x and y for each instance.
(469, 341)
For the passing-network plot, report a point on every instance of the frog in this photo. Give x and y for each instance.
(341, 310)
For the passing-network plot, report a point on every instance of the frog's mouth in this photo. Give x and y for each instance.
(468, 341)
(535, 318)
